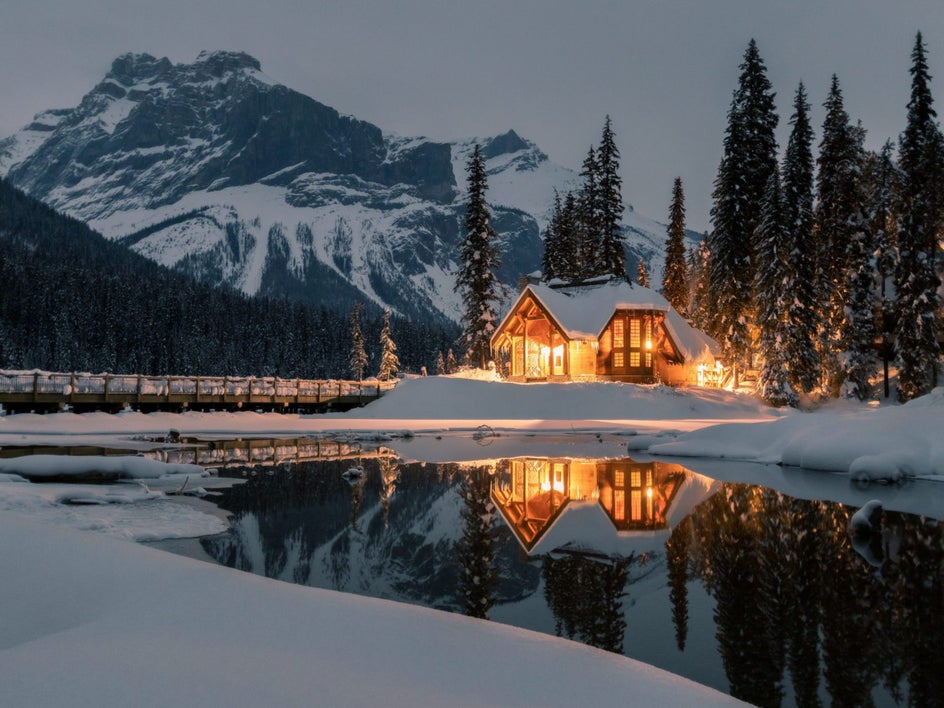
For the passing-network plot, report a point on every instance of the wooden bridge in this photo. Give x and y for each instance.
(43, 391)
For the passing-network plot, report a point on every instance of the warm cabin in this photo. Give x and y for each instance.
(612, 330)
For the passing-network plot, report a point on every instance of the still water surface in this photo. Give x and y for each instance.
(740, 587)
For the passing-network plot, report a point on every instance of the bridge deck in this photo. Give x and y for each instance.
(43, 391)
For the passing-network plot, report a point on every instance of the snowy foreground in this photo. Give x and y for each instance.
(90, 620)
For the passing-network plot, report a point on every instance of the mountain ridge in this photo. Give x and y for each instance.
(217, 170)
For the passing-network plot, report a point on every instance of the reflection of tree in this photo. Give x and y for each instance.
(676, 553)
(792, 592)
(389, 476)
(745, 607)
(475, 551)
(585, 595)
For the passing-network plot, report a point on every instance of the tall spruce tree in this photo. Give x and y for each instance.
(802, 310)
(773, 251)
(837, 218)
(479, 260)
(700, 269)
(612, 258)
(587, 218)
(859, 365)
(389, 361)
(921, 159)
(675, 274)
(357, 361)
(749, 158)
(551, 262)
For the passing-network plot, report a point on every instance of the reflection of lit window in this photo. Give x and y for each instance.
(558, 477)
(617, 333)
(635, 479)
(618, 360)
(619, 505)
(619, 479)
(635, 497)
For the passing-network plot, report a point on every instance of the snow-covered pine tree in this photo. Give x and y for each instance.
(921, 159)
(836, 218)
(478, 262)
(587, 218)
(389, 361)
(859, 365)
(700, 288)
(357, 361)
(802, 308)
(773, 251)
(642, 273)
(675, 274)
(551, 264)
(881, 179)
(749, 158)
(612, 257)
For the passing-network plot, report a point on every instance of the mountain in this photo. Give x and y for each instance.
(215, 169)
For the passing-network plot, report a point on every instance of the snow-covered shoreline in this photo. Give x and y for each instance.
(89, 620)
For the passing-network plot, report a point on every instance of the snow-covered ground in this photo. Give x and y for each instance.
(89, 620)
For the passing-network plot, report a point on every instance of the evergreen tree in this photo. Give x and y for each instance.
(389, 361)
(612, 258)
(700, 268)
(642, 273)
(921, 159)
(882, 180)
(357, 360)
(802, 308)
(570, 240)
(770, 295)
(451, 365)
(837, 218)
(587, 218)
(551, 261)
(749, 158)
(479, 260)
(440, 365)
(675, 275)
(859, 365)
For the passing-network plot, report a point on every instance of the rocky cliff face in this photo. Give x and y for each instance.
(215, 169)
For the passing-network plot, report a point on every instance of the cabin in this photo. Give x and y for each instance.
(603, 331)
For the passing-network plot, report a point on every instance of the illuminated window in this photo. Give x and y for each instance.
(618, 334)
(648, 359)
(618, 360)
(634, 333)
(634, 358)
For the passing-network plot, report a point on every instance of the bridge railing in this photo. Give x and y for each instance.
(71, 386)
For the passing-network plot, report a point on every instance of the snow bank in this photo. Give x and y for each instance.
(123, 467)
(871, 443)
(107, 623)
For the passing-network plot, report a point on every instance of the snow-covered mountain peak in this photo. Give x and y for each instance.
(215, 169)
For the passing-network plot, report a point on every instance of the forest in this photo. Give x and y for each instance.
(73, 301)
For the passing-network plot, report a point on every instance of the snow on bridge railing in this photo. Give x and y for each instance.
(71, 384)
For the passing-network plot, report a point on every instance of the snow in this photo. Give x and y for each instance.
(87, 614)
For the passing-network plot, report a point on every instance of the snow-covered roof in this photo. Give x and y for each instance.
(582, 312)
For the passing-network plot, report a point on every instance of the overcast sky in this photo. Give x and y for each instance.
(550, 69)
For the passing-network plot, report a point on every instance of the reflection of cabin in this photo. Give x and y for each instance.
(635, 496)
(609, 330)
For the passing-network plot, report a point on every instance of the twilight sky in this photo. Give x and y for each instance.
(550, 69)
